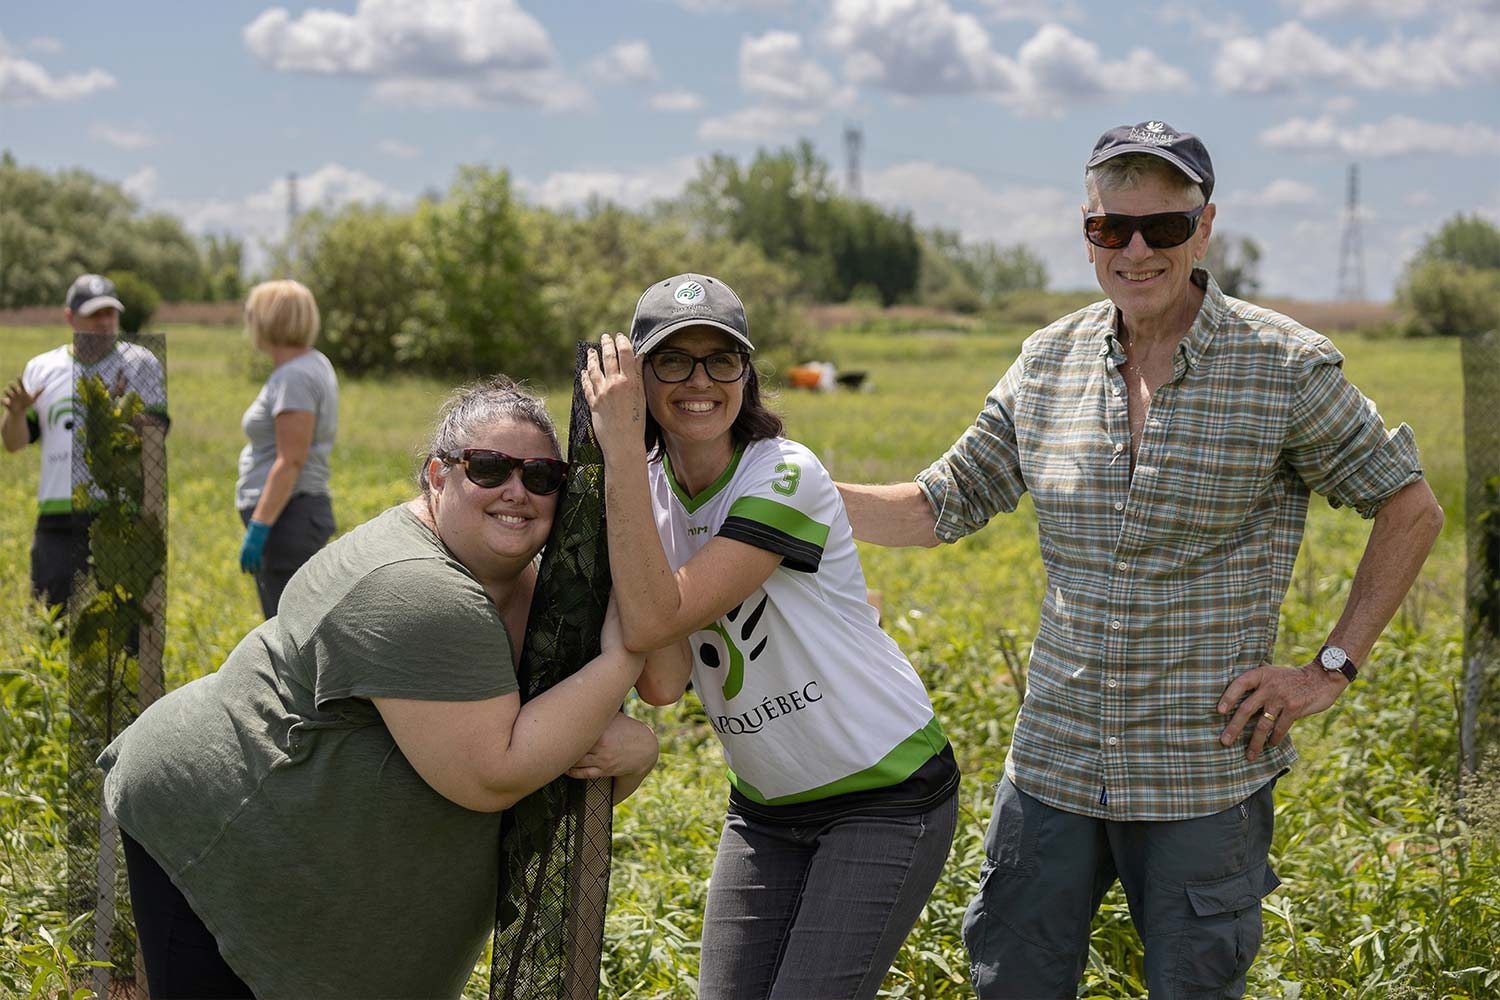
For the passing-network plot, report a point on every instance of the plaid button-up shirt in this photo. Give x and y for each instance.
(1163, 585)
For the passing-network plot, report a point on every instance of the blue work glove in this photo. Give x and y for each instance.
(253, 548)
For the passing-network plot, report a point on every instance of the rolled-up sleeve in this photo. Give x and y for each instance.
(1339, 445)
(980, 475)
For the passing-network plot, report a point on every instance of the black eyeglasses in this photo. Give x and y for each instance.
(677, 366)
(1161, 231)
(542, 476)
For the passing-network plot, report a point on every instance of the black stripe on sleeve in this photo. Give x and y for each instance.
(795, 553)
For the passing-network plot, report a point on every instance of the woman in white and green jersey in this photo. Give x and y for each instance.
(732, 553)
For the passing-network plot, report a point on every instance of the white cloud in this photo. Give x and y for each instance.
(924, 47)
(1209, 25)
(917, 47)
(634, 190)
(1281, 193)
(1046, 219)
(24, 82)
(1040, 11)
(1464, 50)
(1398, 135)
(141, 185)
(1418, 199)
(1057, 67)
(260, 216)
(546, 90)
(1390, 9)
(774, 70)
(122, 138)
(626, 62)
(45, 45)
(1340, 104)
(400, 150)
(676, 100)
(463, 53)
(756, 125)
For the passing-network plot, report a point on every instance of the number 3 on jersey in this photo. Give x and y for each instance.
(786, 485)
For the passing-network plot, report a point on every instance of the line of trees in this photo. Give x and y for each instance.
(55, 226)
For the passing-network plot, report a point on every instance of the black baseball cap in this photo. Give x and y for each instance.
(91, 292)
(1183, 150)
(687, 300)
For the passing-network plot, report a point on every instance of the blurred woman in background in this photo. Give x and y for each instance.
(282, 493)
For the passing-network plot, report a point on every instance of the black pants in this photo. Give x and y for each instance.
(59, 552)
(182, 958)
(304, 527)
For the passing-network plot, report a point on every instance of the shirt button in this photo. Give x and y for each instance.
(1120, 564)
(1154, 422)
(1113, 740)
(1115, 624)
(1119, 505)
(1117, 390)
(1119, 447)
(1112, 682)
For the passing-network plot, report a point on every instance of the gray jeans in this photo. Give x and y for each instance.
(304, 527)
(1194, 887)
(820, 911)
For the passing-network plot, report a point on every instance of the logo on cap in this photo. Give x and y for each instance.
(689, 292)
(1156, 126)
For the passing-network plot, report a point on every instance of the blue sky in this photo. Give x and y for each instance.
(976, 115)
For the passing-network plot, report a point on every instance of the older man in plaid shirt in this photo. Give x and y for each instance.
(1170, 438)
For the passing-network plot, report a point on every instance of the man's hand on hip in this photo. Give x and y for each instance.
(1271, 698)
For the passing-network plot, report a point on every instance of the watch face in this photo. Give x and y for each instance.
(1333, 658)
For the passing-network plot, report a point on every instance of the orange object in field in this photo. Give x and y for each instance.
(803, 376)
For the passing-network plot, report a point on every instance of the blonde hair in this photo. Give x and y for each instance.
(1124, 172)
(282, 313)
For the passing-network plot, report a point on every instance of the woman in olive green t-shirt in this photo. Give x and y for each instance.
(320, 817)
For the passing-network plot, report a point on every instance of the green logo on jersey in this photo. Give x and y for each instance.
(734, 679)
(64, 412)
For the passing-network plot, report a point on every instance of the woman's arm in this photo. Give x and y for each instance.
(666, 674)
(626, 752)
(659, 607)
(487, 755)
(294, 434)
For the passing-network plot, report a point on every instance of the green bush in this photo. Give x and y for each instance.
(139, 297)
(1445, 299)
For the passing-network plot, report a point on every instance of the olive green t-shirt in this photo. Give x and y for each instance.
(277, 800)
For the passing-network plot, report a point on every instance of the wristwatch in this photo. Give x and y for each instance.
(1333, 658)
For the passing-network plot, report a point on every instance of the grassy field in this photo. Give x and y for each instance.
(1385, 893)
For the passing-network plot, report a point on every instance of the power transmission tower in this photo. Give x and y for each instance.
(1352, 250)
(854, 143)
(293, 257)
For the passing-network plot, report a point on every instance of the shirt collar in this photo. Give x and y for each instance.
(1192, 347)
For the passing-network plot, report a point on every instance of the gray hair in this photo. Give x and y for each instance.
(475, 407)
(1123, 172)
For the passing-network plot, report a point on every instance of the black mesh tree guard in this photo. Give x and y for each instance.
(116, 617)
(555, 843)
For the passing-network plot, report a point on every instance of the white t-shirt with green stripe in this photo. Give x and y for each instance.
(809, 697)
(56, 374)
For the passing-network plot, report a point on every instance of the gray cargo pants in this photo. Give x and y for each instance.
(1194, 887)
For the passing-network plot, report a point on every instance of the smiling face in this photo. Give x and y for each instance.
(1146, 284)
(698, 411)
(495, 532)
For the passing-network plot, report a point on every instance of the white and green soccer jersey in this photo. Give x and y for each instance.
(809, 697)
(57, 409)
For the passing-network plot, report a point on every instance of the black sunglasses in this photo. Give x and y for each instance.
(542, 476)
(677, 366)
(1161, 231)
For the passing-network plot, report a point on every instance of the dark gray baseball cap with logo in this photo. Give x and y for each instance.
(686, 300)
(1183, 150)
(91, 292)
